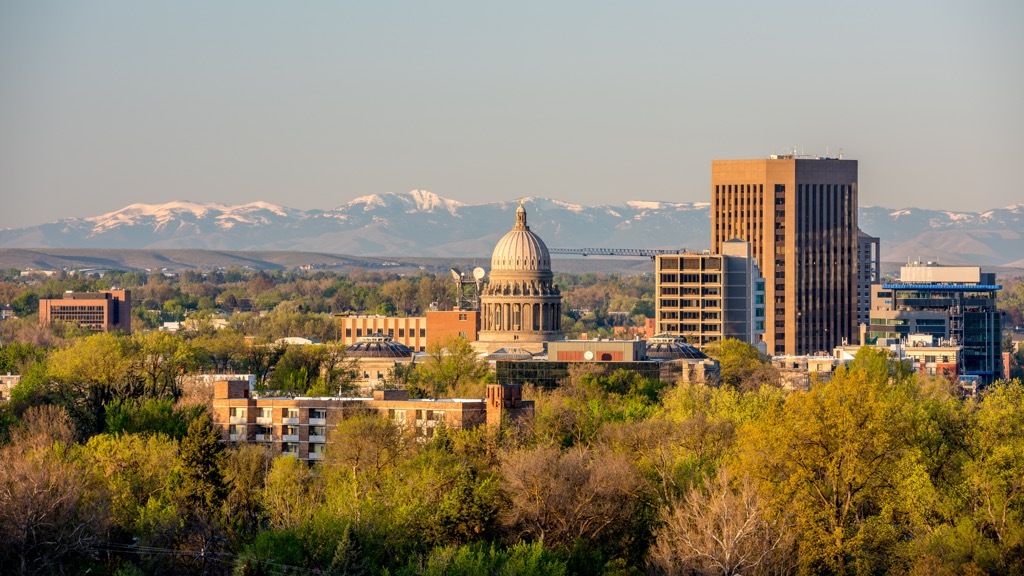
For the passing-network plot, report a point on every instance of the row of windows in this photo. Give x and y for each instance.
(267, 431)
(391, 331)
(314, 413)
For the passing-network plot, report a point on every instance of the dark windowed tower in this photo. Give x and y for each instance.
(800, 216)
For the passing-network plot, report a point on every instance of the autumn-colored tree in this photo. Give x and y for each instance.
(723, 529)
(558, 497)
(53, 511)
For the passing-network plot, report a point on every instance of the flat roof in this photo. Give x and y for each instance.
(939, 287)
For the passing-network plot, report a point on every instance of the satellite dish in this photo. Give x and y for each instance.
(588, 355)
(456, 274)
(479, 273)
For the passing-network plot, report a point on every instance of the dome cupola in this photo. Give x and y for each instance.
(520, 249)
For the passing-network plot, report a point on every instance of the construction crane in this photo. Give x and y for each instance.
(627, 252)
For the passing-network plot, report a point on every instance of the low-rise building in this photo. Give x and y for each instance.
(410, 331)
(7, 384)
(302, 425)
(956, 304)
(104, 311)
(444, 324)
(664, 357)
(376, 357)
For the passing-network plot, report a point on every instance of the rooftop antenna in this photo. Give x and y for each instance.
(840, 153)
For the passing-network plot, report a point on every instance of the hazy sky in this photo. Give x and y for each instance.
(311, 104)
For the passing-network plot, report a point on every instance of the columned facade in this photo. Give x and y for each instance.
(519, 305)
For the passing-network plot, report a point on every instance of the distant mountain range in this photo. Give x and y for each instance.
(421, 223)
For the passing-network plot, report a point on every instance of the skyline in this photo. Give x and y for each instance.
(312, 106)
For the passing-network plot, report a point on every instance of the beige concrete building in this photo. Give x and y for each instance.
(302, 425)
(519, 306)
(104, 311)
(800, 216)
(7, 384)
(708, 297)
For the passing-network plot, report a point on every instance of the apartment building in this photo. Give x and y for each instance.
(302, 425)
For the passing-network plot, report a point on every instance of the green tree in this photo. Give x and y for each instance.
(201, 456)
(742, 365)
(450, 364)
(839, 459)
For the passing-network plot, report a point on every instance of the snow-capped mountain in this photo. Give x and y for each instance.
(422, 223)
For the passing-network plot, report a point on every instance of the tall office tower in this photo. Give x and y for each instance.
(800, 216)
(869, 268)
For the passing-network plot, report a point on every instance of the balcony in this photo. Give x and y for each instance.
(316, 456)
(236, 437)
(237, 420)
(318, 439)
(290, 438)
(264, 420)
(264, 437)
(318, 421)
(290, 420)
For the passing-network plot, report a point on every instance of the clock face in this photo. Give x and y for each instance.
(588, 355)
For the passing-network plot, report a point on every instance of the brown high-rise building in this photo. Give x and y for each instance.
(800, 216)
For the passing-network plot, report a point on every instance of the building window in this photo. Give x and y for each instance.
(423, 332)
(290, 448)
(318, 431)
(238, 412)
(237, 429)
(462, 316)
(291, 430)
(266, 412)
(318, 413)
(463, 335)
(292, 413)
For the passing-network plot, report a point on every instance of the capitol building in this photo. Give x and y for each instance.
(520, 307)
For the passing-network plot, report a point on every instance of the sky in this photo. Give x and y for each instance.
(312, 104)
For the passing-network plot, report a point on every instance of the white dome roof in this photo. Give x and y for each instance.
(520, 249)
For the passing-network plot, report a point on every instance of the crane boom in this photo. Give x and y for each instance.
(627, 252)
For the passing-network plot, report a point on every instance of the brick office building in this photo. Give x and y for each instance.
(104, 311)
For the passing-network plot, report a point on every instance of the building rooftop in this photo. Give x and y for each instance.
(378, 345)
(669, 347)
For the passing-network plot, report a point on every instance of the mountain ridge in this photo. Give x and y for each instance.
(423, 223)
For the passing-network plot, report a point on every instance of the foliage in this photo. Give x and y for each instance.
(742, 365)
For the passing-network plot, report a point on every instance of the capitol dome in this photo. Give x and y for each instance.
(520, 249)
(520, 307)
